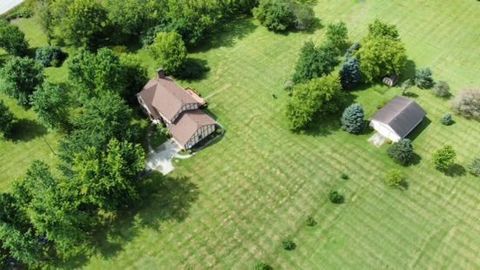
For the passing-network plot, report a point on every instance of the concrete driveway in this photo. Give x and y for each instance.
(160, 159)
(6, 5)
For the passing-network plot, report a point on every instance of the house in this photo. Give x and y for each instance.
(398, 118)
(180, 110)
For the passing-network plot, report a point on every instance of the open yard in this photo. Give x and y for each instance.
(234, 202)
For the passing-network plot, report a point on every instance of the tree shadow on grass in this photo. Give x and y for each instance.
(324, 126)
(456, 170)
(194, 69)
(228, 35)
(408, 71)
(26, 130)
(163, 198)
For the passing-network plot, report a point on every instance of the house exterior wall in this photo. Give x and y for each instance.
(145, 108)
(199, 135)
(385, 130)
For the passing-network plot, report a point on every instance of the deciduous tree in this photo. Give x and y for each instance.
(20, 77)
(169, 51)
(51, 103)
(319, 95)
(444, 158)
(6, 118)
(12, 39)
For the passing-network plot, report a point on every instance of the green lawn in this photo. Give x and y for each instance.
(234, 202)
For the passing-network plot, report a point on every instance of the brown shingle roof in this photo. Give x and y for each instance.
(401, 114)
(188, 123)
(166, 97)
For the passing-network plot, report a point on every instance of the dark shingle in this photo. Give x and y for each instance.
(401, 114)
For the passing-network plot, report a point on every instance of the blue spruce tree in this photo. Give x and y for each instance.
(350, 75)
(353, 119)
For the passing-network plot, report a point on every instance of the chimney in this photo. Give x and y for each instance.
(161, 73)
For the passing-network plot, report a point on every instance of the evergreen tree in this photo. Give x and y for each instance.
(353, 119)
(350, 74)
(423, 78)
(401, 152)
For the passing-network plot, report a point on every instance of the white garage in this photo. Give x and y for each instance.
(397, 119)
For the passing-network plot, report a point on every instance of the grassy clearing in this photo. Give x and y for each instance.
(234, 202)
(30, 140)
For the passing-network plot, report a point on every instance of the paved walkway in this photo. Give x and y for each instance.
(160, 159)
(6, 5)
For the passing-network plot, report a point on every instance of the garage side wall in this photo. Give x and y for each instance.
(385, 130)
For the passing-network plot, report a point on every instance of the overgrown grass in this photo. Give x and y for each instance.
(260, 182)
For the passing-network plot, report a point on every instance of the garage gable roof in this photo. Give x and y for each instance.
(401, 114)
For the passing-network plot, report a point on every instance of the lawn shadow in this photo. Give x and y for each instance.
(194, 69)
(228, 35)
(163, 199)
(324, 126)
(26, 130)
(456, 170)
(408, 71)
(419, 129)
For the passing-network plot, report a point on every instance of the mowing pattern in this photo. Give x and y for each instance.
(260, 182)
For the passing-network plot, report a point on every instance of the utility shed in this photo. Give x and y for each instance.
(398, 118)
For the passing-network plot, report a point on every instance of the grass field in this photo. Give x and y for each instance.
(233, 203)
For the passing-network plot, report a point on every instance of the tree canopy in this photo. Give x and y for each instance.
(97, 73)
(6, 118)
(353, 119)
(315, 62)
(12, 39)
(320, 95)
(20, 77)
(169, 51)
(51, 103)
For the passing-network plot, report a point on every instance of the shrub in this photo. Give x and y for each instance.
(447, 119)
(304, 17)
(262, 266)
(444, 158)
(395, 178)
(311, 221)
(6, 118)
(49, 56)
(344, 176)
(335, 197)
(468, 104)
(169, 51)
(423, 78)
(401, 152)
(288, 244)
(337, 35)
(441, 89)
(350, 74)
(276, 15)
(353, 119)
(474, 167)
